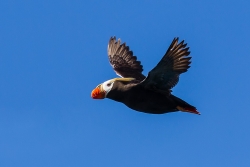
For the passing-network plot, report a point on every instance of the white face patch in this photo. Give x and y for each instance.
(107, 86)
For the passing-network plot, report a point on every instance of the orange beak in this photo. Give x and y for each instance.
(97, 93)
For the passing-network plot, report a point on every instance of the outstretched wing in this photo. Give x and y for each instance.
(166, 73)
(123, 61)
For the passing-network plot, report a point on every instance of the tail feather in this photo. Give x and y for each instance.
(188, 109)
(184, 106)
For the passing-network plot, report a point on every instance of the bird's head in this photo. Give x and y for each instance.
(102, 90)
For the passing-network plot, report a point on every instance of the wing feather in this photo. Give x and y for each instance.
(166, 73)
(123, 61)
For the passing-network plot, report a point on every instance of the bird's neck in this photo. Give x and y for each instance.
(118, 92)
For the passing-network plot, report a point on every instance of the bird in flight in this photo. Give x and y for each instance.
(151, 94)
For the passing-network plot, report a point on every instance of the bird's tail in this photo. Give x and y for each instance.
(184, 106)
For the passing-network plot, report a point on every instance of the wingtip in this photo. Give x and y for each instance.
(182, 42)
(112, 38)
(176, 39)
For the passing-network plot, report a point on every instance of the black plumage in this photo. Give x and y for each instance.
(151, 94)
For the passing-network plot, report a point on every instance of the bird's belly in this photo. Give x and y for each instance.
(154, 103)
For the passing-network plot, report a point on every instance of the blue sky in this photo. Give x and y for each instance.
(54, 53)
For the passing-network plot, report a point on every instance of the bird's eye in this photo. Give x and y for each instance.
(108, 84)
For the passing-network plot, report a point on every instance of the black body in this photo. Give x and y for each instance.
(144, 100)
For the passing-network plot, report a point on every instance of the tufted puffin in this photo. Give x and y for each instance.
(151, 94)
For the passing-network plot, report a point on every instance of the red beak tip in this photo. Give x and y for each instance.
(93, 96)
(97, 94)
